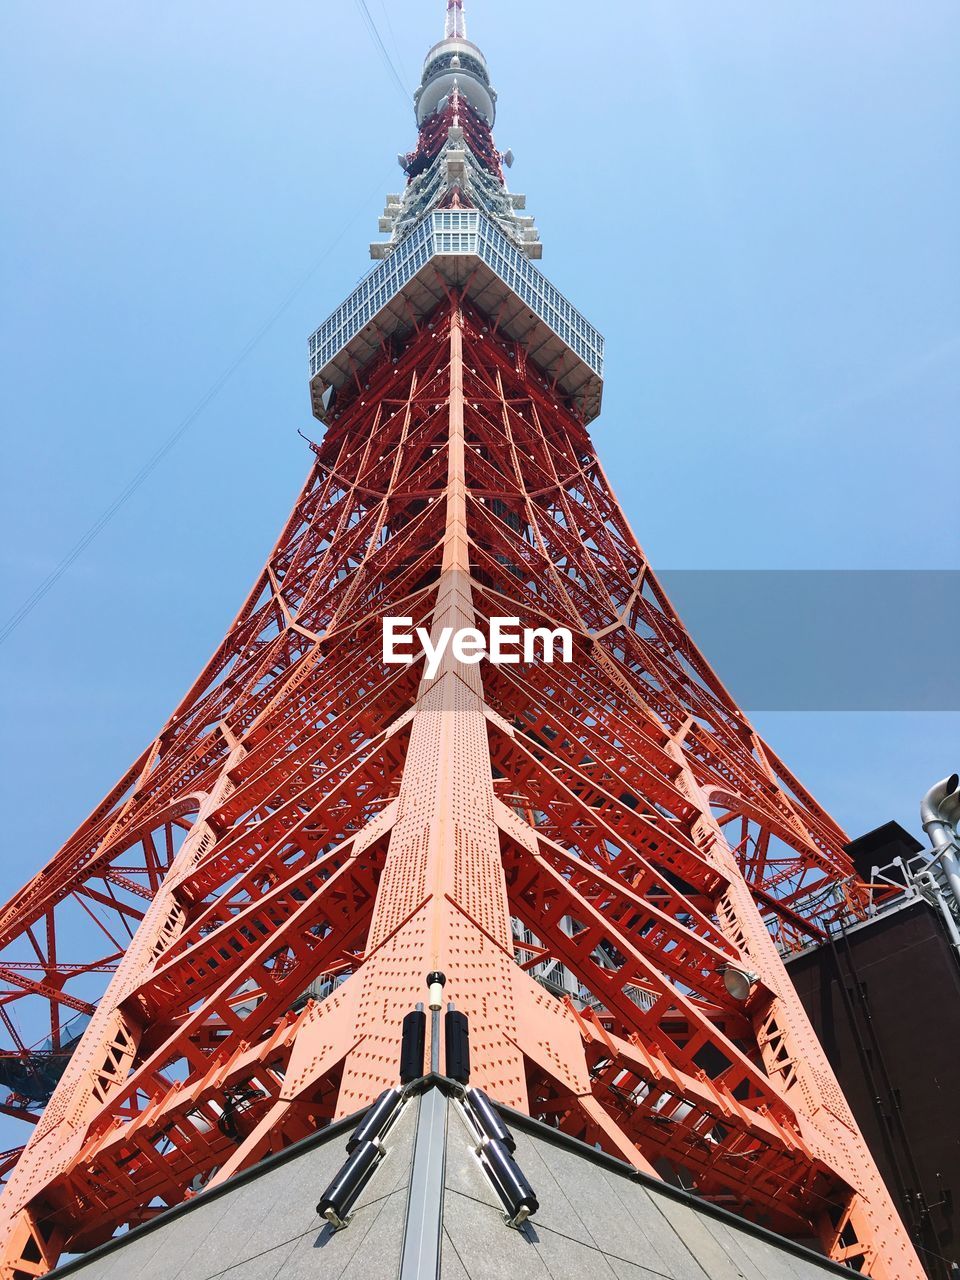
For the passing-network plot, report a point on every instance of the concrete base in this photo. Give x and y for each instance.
(598, 1219)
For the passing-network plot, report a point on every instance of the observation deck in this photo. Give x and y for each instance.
(463, 248)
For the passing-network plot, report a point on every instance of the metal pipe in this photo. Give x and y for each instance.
(338, 1199)
(435, 1041)
(488, 1119)
(435, 984)
(519, 1198)
(371, 1128)
(936, 823)
(938, 810)
(927, 880)
(950, 809)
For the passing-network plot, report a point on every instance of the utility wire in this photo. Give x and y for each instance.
(125, 494)
(384, 52)
(395, 42)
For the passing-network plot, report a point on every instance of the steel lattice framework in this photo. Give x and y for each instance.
(312, 819)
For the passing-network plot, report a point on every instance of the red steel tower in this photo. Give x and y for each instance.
(599, 852)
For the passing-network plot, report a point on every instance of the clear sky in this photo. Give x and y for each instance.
(756, 203)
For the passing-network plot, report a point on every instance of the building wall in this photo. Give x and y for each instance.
(598, 1220)
(885, 1003)
(264, 1224)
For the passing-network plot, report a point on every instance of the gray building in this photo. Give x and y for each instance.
(429, 1209)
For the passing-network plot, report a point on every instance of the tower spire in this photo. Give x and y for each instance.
(455, 26)
(455, 161)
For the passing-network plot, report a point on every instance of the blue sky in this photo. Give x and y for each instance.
(757, 204)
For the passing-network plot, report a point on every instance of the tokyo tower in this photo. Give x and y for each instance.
(596, 858)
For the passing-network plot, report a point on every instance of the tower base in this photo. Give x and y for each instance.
(429, 1210)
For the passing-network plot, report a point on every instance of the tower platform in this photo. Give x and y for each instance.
(429, 1211)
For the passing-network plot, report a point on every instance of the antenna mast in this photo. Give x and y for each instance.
(455, 27)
